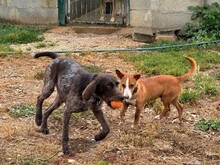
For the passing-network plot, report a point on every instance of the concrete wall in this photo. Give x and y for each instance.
(158, 15)
(161, 14)
(29, 11)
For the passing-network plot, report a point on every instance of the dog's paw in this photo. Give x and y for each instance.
(45, 130)
(38, 121)
(157, 117)
(102, 18)
(60, 154)
(176, 120)
(90, 139)
(112, 19)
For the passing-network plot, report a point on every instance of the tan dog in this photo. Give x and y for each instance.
(113, 12)
(142, 90)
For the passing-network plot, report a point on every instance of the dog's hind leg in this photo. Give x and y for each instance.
(57, 102)
(165, 110)
(48, 88)
(65, 133)
(46, 92)
(179, 108)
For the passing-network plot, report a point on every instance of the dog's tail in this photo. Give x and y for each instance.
(191, 71)
(48, 54)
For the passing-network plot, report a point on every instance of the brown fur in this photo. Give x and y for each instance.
(167, 87)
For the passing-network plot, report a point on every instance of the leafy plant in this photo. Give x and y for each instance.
(21, 110)
(205, 125)
(205, 22)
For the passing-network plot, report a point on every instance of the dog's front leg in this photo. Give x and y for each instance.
(113, 11)
(105, 128)
(137, 114)
(122, 112)
(65, 133)
(102, 5)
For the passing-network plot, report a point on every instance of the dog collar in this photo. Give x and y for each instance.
(97, 99)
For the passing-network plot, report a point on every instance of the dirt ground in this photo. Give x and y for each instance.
(153, 142)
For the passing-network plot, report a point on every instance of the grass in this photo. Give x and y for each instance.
(5, 48)
(19, 34)
(206, 85)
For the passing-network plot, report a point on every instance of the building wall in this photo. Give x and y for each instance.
(29, 11)
(160, 15)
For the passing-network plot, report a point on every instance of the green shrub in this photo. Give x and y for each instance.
(205, 22)
(205, 125)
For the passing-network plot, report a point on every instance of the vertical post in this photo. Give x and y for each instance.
(61, 12)
(128, 13)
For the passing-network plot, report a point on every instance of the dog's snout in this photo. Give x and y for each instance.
(123, 98)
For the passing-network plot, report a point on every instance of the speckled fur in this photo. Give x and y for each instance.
(79, 90)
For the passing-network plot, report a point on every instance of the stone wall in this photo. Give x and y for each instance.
(29, 11)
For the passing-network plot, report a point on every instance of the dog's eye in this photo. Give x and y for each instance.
(123, 85)
(131, 86)
(110, 85)
(117, 83)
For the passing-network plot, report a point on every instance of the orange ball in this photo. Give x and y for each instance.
(116, 104)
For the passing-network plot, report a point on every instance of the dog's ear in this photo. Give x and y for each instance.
(119, 74)
(89, 90)
(137, 76)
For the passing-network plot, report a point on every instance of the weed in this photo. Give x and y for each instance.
(92, 68)
(40, 45)
(51, 43)
(29, 160)
(39, 75)
(21, 110)
(28, 49)
(103, 162)
(189, 96)
(206, 85)
(205, 125)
